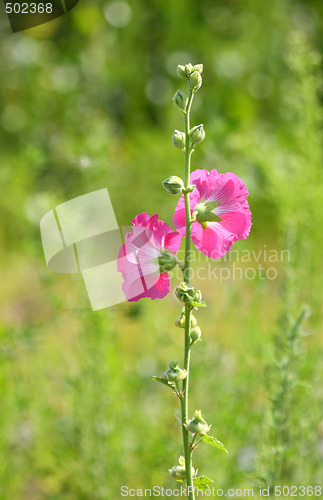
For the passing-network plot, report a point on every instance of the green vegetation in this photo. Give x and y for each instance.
(86, 103)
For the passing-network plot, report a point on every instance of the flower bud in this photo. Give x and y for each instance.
(179, 471)
(173, 184)
(174, 373)
(199, 68)
(195, 80)
(178, 139)
(187, 294)
(193, 321)
(180, 100)
(196, 334)
(190, 188)
(180, 322)
(167, 260)
(189, 68)
(197, 134)
(181, 71)
(197, 425)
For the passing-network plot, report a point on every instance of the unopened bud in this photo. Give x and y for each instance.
(197, 134)
(181, 71)
(173, 184)
(178, 139)
(196, 334)
(199, 68)
(180, 100)
(195, 80)
(187, 294)
(179, 471)
(167, 260)
(189, 68)
(180, 322)
(197, 425)
(190, 188)
(175, 373)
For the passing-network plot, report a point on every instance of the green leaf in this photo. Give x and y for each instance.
(164, 381)
(214, 442)
(202, 482)
(198, 304)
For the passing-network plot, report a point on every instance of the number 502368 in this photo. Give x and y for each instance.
(29, 8)
(300, 491)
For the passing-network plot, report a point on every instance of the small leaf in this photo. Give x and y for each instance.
(202, 482)
(198, 304)
(213, 442)
(164, 381)
(181, 460)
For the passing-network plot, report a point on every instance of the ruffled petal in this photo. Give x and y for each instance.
(238, 223)
(141, 219)
(173, 241)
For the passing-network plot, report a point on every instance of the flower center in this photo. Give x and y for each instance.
(203, 212)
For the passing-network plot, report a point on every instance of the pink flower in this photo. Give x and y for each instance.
(219, 202)
(147, 253)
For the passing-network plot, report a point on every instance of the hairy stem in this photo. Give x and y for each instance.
(186, 273)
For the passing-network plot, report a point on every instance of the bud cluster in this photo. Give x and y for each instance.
(188, 294)
(195, 331)
(194, 78)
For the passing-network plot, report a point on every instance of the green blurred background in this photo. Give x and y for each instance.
(86, 104)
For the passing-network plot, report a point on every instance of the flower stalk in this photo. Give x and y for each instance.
(186, 274)
(152, 246)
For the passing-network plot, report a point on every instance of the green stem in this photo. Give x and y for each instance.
(186, 273)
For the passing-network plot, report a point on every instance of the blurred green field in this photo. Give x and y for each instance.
(86, 104)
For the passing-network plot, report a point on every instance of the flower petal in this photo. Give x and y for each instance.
(214, 241)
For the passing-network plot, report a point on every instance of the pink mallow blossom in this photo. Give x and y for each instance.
(219, 209)
(148, 252)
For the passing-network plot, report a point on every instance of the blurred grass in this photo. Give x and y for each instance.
(87, 104)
